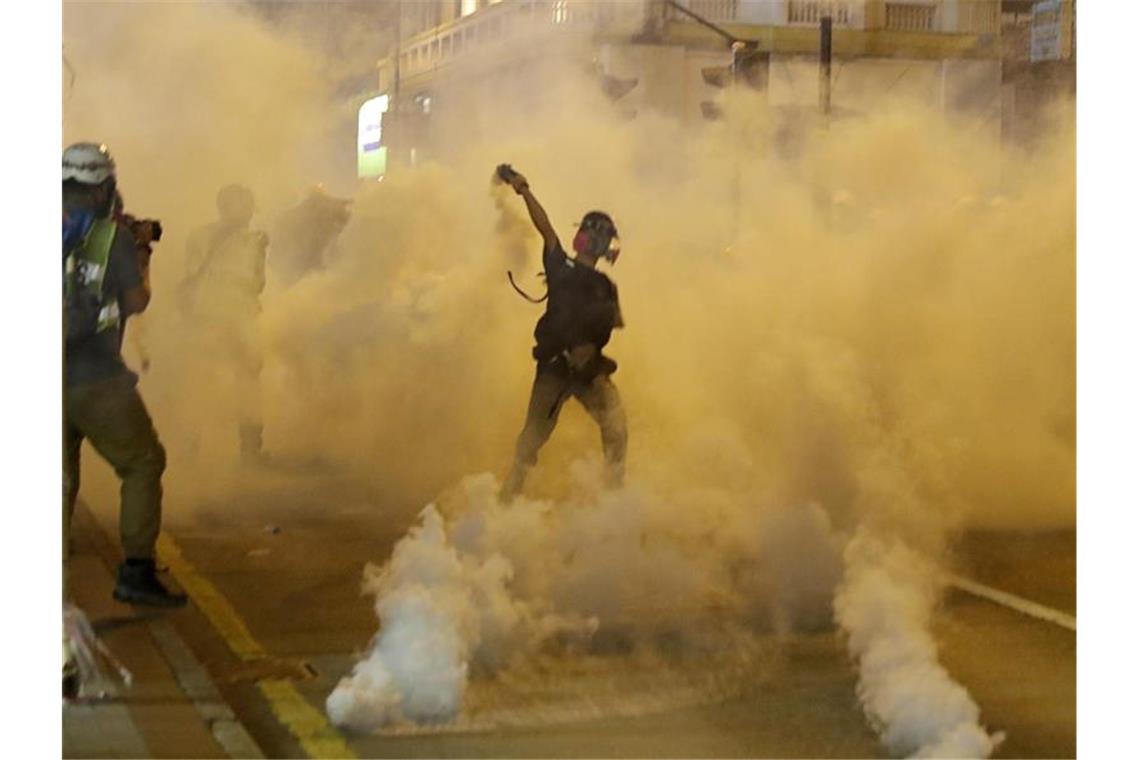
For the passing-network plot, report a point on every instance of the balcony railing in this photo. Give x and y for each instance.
(912, 17)
(953, 16)
(809, 12)
(713, 10)
(979, 16)
(495, 23)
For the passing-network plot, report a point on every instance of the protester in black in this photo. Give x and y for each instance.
(581, 312)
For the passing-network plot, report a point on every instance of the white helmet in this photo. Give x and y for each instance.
(88, 163)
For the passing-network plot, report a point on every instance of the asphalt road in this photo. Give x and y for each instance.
(288, 557)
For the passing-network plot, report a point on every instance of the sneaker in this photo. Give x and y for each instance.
(138, 584)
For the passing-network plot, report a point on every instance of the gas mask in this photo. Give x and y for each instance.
(597, 237)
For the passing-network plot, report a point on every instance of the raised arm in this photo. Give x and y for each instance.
(534, 208)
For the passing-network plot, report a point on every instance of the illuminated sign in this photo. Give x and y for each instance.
(371, 156)
(1050, 37)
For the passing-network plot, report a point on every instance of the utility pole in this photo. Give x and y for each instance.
(749, 66)
(393, 128)
(825, 104)
(396, 55)
(825, 65)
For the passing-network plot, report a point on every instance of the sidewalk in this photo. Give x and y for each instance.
(172, 709)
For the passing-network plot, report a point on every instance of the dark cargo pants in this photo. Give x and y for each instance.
(550, 390)
(110, 414)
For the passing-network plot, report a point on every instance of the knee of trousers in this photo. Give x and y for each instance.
(614, 431)
(532, 438)
(149, 461)
(526, 451)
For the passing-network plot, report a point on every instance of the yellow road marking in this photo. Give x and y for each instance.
(305, 722)
(215, 606)
(309, 725)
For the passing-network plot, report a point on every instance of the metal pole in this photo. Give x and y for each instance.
(825, 65)
(396, 68)
(825, 105)
(395, 155)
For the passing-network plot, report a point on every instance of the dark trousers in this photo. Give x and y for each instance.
(111, 415)
(550, 390)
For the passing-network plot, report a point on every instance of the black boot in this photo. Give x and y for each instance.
(138, 584)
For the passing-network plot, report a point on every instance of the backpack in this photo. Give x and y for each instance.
(86, 253)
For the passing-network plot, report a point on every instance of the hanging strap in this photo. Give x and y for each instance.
(523, 293)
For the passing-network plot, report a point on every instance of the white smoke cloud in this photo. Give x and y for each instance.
(489, 585)
(884, 606)
(443, 612)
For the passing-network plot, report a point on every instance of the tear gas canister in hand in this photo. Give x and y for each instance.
(507, 174)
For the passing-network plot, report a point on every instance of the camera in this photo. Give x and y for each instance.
(150, 229)
(146, 231)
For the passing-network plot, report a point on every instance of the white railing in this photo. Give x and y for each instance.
(911, 17)
(979, 16)
(955, 16)
(809, 12)
(494, 24)
(713, 10)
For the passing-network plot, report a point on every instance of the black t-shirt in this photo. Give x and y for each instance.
(582, 308)
(98, 356)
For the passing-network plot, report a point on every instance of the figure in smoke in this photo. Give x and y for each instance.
(581, 313)
(304, 235)
(106, 279)
(221, 297)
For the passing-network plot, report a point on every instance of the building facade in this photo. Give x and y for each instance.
(453, 53)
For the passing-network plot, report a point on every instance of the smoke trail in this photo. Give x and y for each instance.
(884, 605)
(442, 613)
(483, 588)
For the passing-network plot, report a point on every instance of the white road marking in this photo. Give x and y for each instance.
(1016, 603)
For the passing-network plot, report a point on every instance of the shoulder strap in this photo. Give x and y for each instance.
(86, 270)
(97, 244)
(87, 262)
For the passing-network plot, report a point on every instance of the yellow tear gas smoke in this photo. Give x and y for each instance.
(879, 323)
(912, 307)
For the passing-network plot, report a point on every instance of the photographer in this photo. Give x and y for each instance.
(106, 280)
